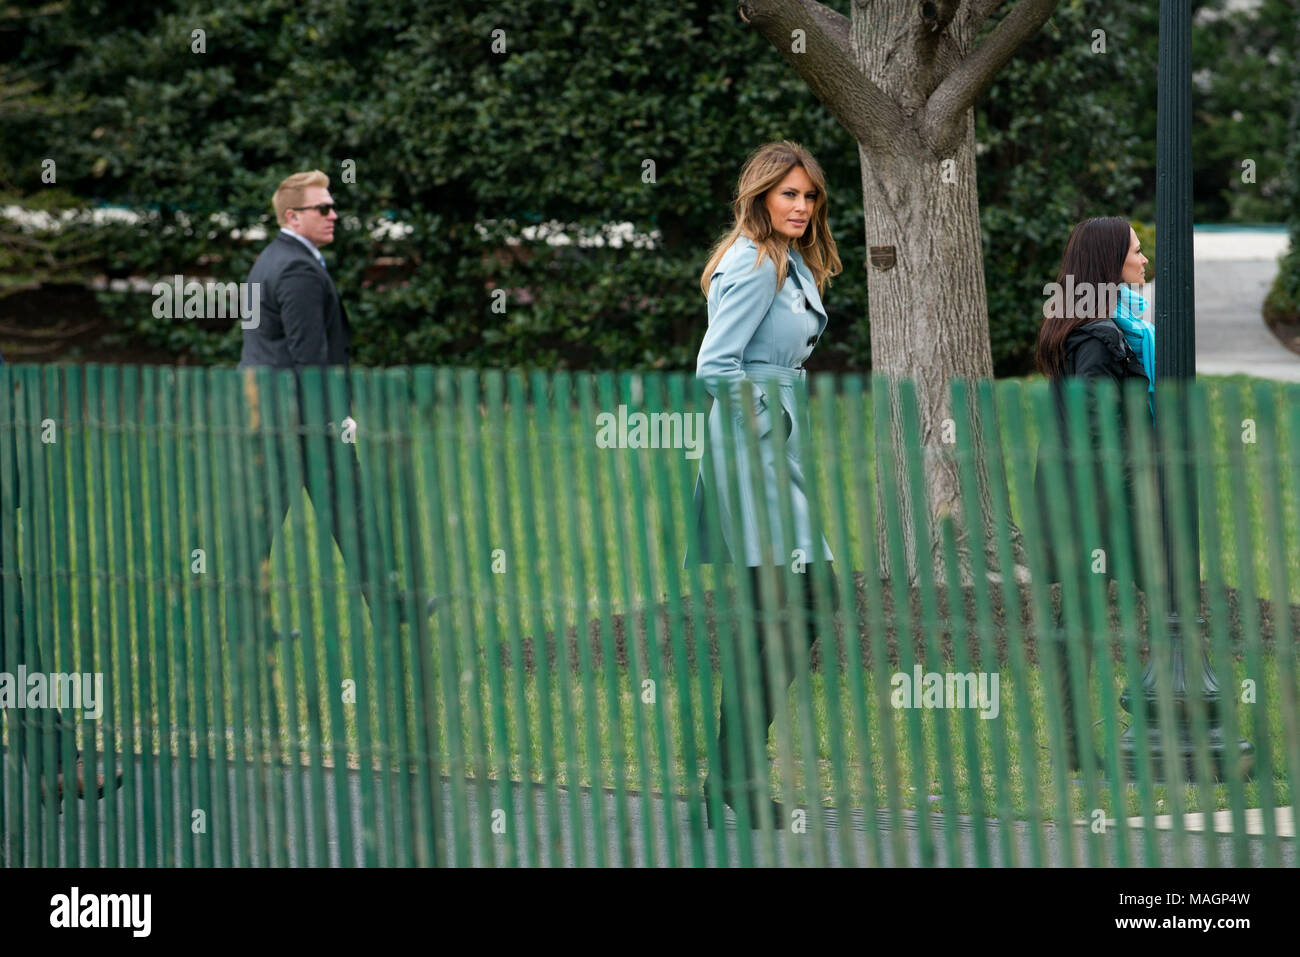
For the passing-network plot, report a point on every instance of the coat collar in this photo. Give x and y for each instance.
(300, 245)
(797, 267)
(804, 277)
(1103, 330)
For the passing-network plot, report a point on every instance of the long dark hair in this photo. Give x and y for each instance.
(1094, 254)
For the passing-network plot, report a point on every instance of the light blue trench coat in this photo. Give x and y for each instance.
(756, 334)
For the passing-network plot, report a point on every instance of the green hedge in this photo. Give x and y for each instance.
(449, 137)
(1282, 305)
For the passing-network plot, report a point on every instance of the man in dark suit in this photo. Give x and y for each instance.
(302, 323)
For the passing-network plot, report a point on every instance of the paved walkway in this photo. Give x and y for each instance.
(1234, 271)
(585, 819)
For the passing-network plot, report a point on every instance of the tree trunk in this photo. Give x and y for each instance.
(929, 317)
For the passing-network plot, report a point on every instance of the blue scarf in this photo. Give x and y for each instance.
(1141, 335)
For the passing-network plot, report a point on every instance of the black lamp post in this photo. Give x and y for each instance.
(1176, 364)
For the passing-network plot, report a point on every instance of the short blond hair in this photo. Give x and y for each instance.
(291, 192)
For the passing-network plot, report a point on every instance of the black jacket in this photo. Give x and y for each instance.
(302, 321)
(1100, 349)
(1094, 351)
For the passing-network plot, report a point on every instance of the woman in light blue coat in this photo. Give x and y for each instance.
(763, 282)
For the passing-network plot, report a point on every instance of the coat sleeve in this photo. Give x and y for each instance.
(744, 297)
(302, 311)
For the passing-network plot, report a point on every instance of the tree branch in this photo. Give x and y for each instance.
(827, 65)
(975, 14)
(937, 49)
(945, 110)
(937, 14)
(836, 25)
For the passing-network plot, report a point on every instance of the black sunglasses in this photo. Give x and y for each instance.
(323, 208)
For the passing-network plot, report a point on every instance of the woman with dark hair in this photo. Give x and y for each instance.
(1092, 329)
(763, 281)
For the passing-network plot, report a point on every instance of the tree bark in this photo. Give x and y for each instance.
(929, 317)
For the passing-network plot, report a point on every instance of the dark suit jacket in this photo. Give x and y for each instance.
(302, 320)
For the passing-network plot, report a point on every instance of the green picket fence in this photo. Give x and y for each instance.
(475, 641)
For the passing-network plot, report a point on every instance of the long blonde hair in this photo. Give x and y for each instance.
(764, 170)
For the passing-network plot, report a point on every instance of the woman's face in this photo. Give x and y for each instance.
(790, 203)
(1135, 266)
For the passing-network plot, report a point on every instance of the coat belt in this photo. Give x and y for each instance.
(763, 372)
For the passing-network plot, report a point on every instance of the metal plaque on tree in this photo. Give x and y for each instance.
(882, 257)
